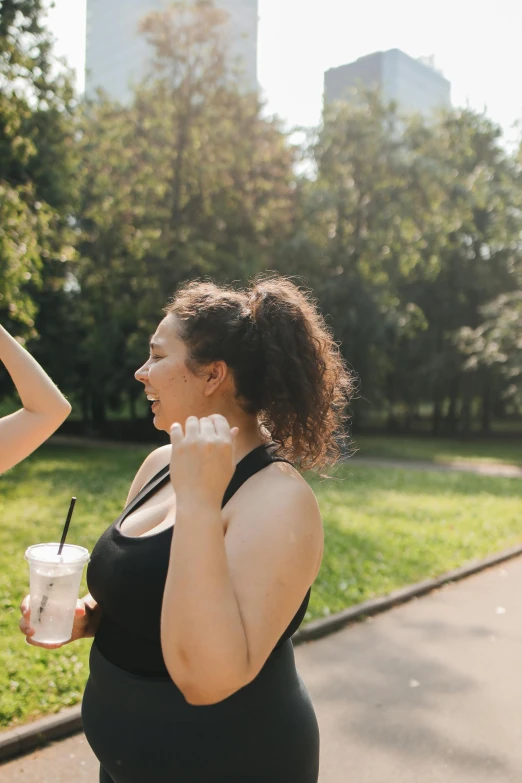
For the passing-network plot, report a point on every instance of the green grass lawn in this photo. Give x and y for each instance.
(442, 450)
(385, 528)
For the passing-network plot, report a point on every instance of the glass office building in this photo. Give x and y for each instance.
(414, 84)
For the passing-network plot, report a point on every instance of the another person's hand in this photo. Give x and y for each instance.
(80, 627)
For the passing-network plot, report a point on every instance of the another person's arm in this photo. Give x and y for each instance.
(45, 408)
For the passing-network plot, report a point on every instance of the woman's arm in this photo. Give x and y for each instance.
(228, 599)
(45, 408)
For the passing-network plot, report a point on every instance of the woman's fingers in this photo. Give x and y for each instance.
(80, 610)
(41, 644)
(25, 627)
(28, 631)
(176, 434)
(192, 428)
(207, 429)
(222, 426)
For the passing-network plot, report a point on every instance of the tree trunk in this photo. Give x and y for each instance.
(486, 409)
(465, 416)
(132, 406)
(436, 418)
(84, 401)
(99, 419)
(452, 410)
(391, 423)
(409, 417)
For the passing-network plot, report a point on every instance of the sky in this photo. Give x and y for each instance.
(476, 46)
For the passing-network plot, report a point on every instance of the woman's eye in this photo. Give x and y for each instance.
(154, 356)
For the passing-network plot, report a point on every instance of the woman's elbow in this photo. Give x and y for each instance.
(66, 409)
(200, 696)
(202, 691)
(61, 412)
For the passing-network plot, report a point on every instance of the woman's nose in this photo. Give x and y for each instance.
(142, 374)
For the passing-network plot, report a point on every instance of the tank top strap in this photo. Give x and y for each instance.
(161, 478)
(251, 464)
(255, 460)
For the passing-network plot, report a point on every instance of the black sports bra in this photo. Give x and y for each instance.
(127, 574)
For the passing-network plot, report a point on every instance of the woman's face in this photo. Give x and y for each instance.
(175, 392)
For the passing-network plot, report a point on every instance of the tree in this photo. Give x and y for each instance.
(497, 342)
(358, 227)
(36, 143)
(189, 180)
(478, 227)
(406, 229)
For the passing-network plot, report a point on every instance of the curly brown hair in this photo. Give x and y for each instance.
(286, 365)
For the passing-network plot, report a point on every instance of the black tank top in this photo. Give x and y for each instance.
(127, 575)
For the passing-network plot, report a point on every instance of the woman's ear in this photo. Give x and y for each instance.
(216, 374)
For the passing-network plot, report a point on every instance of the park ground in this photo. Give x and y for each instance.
(386, 527)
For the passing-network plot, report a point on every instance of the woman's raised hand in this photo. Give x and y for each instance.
(203, 460)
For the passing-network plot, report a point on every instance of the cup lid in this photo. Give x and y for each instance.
(48, 553)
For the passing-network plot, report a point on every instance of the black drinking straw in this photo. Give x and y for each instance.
(45, 598)
(66, 526)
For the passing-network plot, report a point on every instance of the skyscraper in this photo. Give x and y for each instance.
(414, 84)
(117, 55)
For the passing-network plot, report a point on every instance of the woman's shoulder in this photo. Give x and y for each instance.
(276, 510)
(158, 459)
(151, 465)
(278, 486)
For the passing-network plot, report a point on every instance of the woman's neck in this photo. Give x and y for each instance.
(248, 437)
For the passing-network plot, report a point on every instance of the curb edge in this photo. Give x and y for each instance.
(24, 739)
(320, 628)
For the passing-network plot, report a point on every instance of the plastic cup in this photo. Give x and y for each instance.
(54, 587)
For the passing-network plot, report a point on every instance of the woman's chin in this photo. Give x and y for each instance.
(159, 423)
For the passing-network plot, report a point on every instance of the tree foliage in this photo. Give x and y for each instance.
(409, 232)
(189, 180)
(36, 157)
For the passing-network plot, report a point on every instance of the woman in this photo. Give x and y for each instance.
(44, 408)
(198, 586)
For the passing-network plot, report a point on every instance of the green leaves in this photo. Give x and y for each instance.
(36, 158)
(189, 180)
(497, 342)
(407, 231)
(412, 227)
(22, 224)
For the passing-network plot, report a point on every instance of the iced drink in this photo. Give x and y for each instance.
(54, 587)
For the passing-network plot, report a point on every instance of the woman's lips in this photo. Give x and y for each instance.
(154, 405)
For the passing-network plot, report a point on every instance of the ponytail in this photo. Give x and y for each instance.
(287, 368)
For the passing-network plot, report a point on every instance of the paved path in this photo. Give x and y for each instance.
(455, 466)
(429, 691)
(69, 761)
